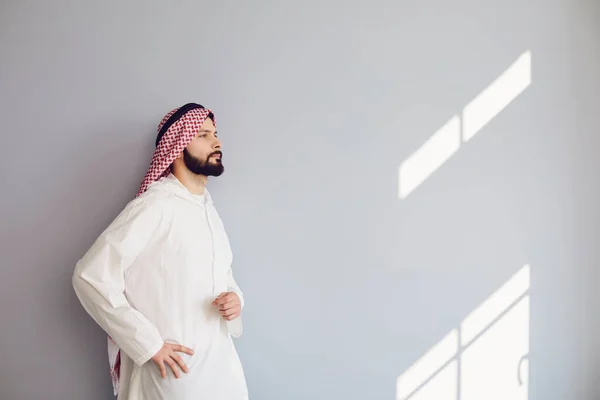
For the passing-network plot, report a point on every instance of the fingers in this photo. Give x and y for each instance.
(232, 314)
(225, 298)
(181, 363)
(182, 349)
(220, 296)
(229, 311)
(169, 356)
(163, 370)
(228, 306)
(173, 366)
(220, 300)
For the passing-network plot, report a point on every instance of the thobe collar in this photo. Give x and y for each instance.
(173, 185)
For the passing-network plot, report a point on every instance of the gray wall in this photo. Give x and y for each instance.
(318, 104)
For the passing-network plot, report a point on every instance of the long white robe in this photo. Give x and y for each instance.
(150, 278)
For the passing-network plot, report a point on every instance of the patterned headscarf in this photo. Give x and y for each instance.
(175, 131)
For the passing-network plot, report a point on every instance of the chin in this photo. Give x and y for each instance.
(217, 171)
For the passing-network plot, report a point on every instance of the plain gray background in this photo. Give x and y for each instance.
(318, 103)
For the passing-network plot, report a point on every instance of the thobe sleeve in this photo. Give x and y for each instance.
(235, 326)
(99, 281)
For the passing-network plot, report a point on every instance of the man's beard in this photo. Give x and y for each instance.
(206, 167)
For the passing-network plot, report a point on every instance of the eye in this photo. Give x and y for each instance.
(203, 135)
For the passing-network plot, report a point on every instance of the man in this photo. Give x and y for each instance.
(158, 280)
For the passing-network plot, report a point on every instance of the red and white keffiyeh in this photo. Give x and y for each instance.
(177, 137)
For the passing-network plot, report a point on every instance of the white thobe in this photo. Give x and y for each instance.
(151, 278)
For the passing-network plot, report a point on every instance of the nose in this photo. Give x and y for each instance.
(217, 143)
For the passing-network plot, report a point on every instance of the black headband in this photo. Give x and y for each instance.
(173, 118)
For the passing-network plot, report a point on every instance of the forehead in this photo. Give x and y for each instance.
(208, 126)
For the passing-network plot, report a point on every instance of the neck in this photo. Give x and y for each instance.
(196, 184)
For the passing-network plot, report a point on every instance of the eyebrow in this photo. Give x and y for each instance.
(207, 131)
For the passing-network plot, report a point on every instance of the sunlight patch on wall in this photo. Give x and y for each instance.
(487, 105)
(485, 358)
(446, 142)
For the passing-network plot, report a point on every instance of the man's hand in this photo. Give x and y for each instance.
(229, 305)
(168, 355)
